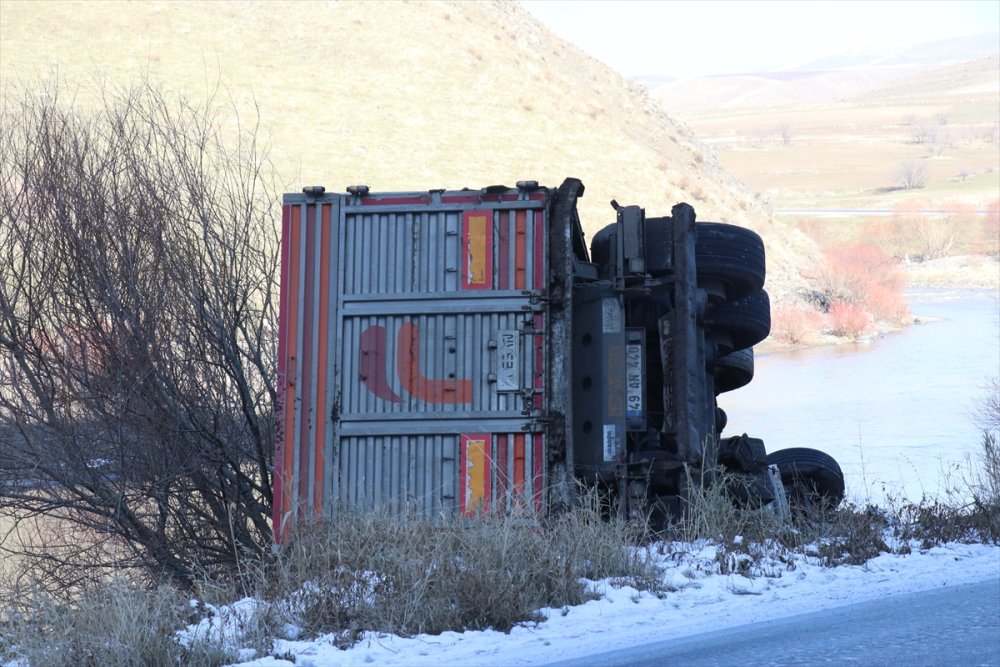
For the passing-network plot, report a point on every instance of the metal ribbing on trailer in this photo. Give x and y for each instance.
(392, 318)
(413, 474)
(306, 371)
(380, 375)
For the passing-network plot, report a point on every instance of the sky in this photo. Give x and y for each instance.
(681, 38)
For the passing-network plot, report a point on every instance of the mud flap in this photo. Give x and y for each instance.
(778, 506)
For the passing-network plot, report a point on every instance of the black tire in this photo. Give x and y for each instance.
(733, 371)
(812, 479)
(731, 255)
(746, 321)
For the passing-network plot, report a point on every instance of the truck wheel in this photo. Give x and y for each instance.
(732, 255)
(812, 479)
(733, 371)
(746, 321)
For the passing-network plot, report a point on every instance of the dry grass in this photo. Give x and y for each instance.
(112, 625)
(372, 572)
(842, 156)
(378, 573)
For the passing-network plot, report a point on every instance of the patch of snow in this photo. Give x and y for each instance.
(698, 601)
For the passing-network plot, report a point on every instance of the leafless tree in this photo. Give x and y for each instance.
(910, 174)
(921, 132)
(138, 262)
(785, 132)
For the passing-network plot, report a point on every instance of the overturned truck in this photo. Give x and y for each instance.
(452, 353)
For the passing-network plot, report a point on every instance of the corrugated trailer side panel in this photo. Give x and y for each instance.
(411, 354)
(305, 368)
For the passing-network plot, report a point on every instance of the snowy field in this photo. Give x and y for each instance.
(699, 602)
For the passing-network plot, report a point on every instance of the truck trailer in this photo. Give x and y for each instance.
(450, 353)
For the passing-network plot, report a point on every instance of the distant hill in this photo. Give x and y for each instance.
(400, 95)
(821, 81)
(773, 89)
(978, 78)
(927, 54)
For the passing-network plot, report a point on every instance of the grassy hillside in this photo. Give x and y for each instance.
(395, 95)
(844, 155)
(420, 95)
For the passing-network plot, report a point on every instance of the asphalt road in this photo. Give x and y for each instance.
(957, 626)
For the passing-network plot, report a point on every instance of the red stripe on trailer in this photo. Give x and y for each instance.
(461, 199)
(395, 201)
(306, 418)
(503, 252)
(519, 465)
(322, 359)
(539, 250)
(538, 477)
(520, 250)
(503, 480)
(291, 334)
(539, 383)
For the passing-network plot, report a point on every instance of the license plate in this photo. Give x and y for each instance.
(633, 381)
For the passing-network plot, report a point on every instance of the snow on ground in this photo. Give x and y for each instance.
(624, 617)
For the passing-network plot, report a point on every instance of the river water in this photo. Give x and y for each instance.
(897, 413)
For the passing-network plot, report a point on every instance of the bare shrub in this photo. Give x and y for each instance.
(988, 414)
(784, 131)
(936, 234)
(910, 175)
(795, 323)
(847, 535)
(849, 319)
(919, 130)
(137, 290)
(890, 237)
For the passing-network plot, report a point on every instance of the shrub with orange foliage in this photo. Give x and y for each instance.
(849, 319)
(887, 304)
(794, 323)
(992, 224)
(864, 277)
(848, 273)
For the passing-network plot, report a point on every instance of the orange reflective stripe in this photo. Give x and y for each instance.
(474, 461)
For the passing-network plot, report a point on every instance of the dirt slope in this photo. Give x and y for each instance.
(401, 95)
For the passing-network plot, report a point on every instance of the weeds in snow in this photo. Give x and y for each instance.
(378, 573)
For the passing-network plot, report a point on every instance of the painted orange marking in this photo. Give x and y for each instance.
(477, 242)
(519, 464)
(443, 392)
(474, 460)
